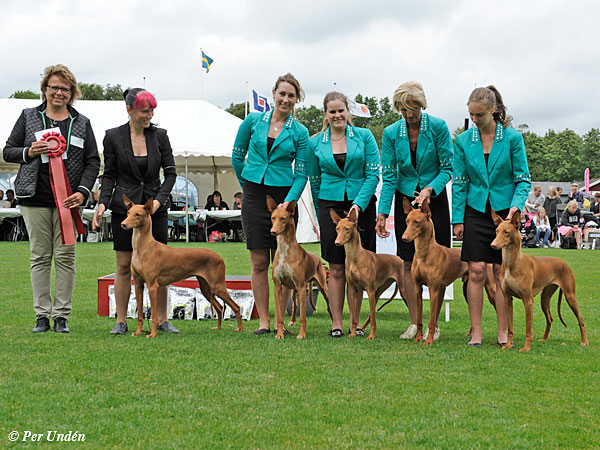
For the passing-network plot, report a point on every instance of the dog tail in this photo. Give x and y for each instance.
(560, 293)
(391, 298)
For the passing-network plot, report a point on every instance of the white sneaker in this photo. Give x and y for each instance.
(436, 335)
(410, 332)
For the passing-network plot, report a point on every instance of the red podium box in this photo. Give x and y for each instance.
(232, 282)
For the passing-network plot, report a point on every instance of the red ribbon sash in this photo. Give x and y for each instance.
(61, 189)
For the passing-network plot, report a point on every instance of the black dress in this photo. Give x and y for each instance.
(480, 231)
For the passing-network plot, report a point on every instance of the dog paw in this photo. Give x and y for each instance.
(292, 323)
(216, 328)
(507, 346)
(237, 330)
(151, 335)
(301, 336)
(585, 344)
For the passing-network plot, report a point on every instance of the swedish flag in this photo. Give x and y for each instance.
(206, 61)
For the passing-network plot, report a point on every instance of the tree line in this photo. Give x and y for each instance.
(556, 156)
(89, 91)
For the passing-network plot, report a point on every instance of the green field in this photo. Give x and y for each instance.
(218, 389)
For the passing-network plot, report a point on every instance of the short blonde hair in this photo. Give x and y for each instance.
(411, 91)
(62, 71)
(572, 203)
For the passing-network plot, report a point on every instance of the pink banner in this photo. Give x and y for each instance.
(587, 180)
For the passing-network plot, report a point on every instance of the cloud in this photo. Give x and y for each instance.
(540, 54)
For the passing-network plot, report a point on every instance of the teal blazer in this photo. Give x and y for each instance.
(360, 176)
(505, 180)
(434, 160)
(275, 167)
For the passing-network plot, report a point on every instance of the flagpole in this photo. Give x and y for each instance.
(246, 102)
(201, 84)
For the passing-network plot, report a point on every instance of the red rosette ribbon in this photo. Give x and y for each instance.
(61, 189)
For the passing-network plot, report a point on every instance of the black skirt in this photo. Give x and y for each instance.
(256, 218)
(366, 226)
(122, 238)
(480, 231)
(440, 216)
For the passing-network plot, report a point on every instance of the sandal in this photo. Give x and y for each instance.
(286, 332)
(337, 333)
(359, 331)
(262, 331)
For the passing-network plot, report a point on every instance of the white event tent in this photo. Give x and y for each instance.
(201, 136)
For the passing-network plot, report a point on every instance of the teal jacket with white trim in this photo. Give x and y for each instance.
(359, 179)
(272, 168)
(505, 181)
(434, 160)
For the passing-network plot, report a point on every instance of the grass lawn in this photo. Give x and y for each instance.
(218, 389)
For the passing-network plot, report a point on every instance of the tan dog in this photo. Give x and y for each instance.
(293, 266)
(435, 266)
(365, 270)
(157, 265)
(523, 276)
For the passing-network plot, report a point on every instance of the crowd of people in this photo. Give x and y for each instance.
(274, 155)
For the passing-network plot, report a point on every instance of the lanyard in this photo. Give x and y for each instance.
(43, 113)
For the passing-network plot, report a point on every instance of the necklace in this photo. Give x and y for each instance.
(52, 122)
(338, 139)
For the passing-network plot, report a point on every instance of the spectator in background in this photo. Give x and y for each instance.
(215, 204)
(3, 204)
(535, 200)
(559, 192)
(575, 194)
(237, 200)
(10, 197)
(238, 229)
(569, 222)
(1, 195)
(550, 203)
(542, 225)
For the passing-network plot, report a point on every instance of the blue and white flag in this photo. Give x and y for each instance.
(259, 102)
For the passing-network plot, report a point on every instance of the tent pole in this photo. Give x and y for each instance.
(215, 180)
(187, 222)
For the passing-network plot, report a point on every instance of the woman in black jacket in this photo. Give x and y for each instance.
(134, 153)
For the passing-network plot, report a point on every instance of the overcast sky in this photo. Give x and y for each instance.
(543, 56)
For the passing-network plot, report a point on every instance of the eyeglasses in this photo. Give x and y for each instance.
(55, 89)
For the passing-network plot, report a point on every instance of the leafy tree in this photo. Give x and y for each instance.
(29, 94)
(113, 92)
(536, 157)
(311, 117)
(562, 155)
(91, 91)
(237, 109)
(591, 152)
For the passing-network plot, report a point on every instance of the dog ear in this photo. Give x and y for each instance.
(353, 215)
(425, 207)
(271, 205)
(291, 207)
(334, 216)
(496, 218)
(128, 203)
(407, 206)
(516, 219)
(149, 205)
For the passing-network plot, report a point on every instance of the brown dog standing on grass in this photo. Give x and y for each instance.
(293, 266)
(434, 266)
(523, 276)
(365, 270)
(157, 264)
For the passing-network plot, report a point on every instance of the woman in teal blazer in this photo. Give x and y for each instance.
(266, 148)
(490, 172)
(417, 162)
(343, 168)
